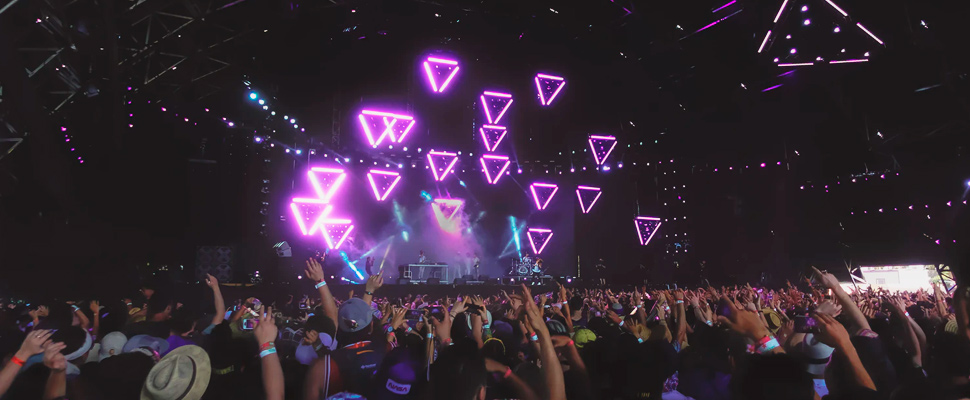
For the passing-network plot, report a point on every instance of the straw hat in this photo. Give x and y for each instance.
(182, 374)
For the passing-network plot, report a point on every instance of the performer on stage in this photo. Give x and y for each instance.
(369, 265)
(537, 270)
(422, 259)
(600, 268)
(476, 262)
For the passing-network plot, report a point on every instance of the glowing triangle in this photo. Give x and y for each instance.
(601, 146)
(646, 228)
(543, 193)
(326, 181)
(539, 238)
(494, 167)
(440, 72)
(548, 87)
(441, 162)
(336, 231)
(851, 41)
(587, 195)
(447, 209)
(309, 214)
(492, 135)
(383, 182)
(495, 105)
(381, 125)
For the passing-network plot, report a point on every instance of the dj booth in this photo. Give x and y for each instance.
(413, 271)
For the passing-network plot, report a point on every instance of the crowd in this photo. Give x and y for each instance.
(803, 341)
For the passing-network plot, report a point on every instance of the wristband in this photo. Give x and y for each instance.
(487, 326)
(621, 322)
(534, 337)
(129, 304)
(17, 361)
(429, 336)
(266, 345)
(639, 340)
(388, 328)
(679, 301)
(267, 352)
(571, 343)
(448, 342)
(76, 308)
(906, 313)
(369, 293)
(709, 323)
(762, 341)
(320, 284)
(408, 330)
(508, 373)
(769, 346)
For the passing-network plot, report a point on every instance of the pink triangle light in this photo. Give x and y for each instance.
(434, 167)
(547, 187)
(302, 207)
(433, 65)
(548, 85)
(647, 226)
(488, 97)
(541, 234)
(392, 126)
(597, 143)
(392, 176)
(332, 233)
(328, 188)
(492, 135)
(494, 160)
(579, 195)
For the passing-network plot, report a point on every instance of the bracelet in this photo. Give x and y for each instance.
(621, 322)
(409, 330)
(709, 323)
(487, 326)
(266, 345)
(368, 293)
(906, 313)
(76, 308)
(639, 340)
(769, 346)
(448, 342)
(534, 337)
(571, 343)
(429, 335)
(320, 284)
(766, 339)
(17, 361)
(679, 301)
(129, 304)
(388, 328)
(508, 373)
(267, 352)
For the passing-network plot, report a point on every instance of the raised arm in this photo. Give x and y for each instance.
(833, 334)
(33, 344)
(547, 353)
(266, 333)
(96, 317)
(849, 307)
(373, 283)
(314, 271)
(220, 303)
(56, 386)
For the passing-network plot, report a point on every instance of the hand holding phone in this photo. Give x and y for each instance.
(249, 324)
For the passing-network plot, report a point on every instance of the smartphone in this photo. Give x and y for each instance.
(414, 315)
(805, 324)
(438, 312)
(249, 324)
(820, 387)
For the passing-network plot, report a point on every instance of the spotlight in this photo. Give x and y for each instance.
(804, 8)
(266, 107)
(787, 36)
(619, 165)
(287, 151)
(793, 50)
(298, 151)
(968, 183)
(272, 113)
(258, 139)
(807, 22)
(346, 159)
(836, 30)
(292, 120)
(405, 148)
(261, 101)
(253, 96)
(419, 149)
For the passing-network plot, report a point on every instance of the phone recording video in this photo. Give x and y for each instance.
(249, 324)
(805, 324)
(414, 315)
(438, 312)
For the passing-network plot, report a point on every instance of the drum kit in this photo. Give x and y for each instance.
(526, 266)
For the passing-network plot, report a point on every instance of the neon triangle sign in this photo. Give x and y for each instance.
(326, 181)
(441, 162)
(309, 214)
(336, 231)
(440, 72)
(494, 167)
(447, 209)
(492, 135)
(646, 228)
(587, 195)
(539, 238)
(601, 146)
(543, 193)
(381, 125)
(495, 105)
(548, 87)
(383, 182)
(839, 28)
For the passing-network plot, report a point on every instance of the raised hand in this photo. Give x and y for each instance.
(313, 270)
(828, 280)
(266, 330)
(829, 307)
(533, 313)
(211, 281)
(95, 307)
(34, 343)
(398, 319)
(745, 322)
(53, 358)
(831, 332)
(374, 282)
(310, 337)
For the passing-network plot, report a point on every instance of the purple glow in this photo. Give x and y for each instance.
(869, 33)
(306, 210)
(765, 41)
(389, 180)
(647, 226)
(326, 190)
(434, 167)
(780, 10)
(498, 103)
(493, 161)
(719, 21)
(395, 126)
(546, 84)
(338, 228)
(597, 144)
(724, 6)
(587, 189)
(795, 64)
(492, 135)
(441, 67)
(445, 211)
(841, 11)
(547, 189)
(541, 235)
(859, 60)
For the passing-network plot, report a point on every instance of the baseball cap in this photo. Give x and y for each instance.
(156, 344)
(398, 376)
(354, 315)
(112, 344)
